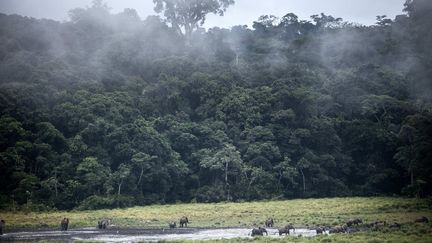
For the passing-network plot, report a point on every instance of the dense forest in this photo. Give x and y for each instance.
(109, 110)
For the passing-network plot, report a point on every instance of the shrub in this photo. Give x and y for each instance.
(210, 194)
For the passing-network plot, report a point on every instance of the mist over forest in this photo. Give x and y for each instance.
(110, 110)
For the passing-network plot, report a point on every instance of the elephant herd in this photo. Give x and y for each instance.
(350, 226)
(102, 224)
(356, 225)
(270, 223)
(106, 223)
(183, 223)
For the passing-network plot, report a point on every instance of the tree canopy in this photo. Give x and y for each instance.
(109, 110)
(186, 16)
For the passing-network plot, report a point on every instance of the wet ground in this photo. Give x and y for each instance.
(136, 235)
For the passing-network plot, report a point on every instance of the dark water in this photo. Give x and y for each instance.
(135, 235)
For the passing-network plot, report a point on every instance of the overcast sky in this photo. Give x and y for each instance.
(243, 12)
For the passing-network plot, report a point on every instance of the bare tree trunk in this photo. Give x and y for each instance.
(304, 183)
(250, 181)
(177, 28)
(226, 172)
(410, 168)
(55, 184)
(119, 187)
(226, 180)
(55, 187)
(279, 180)
(141, 174)
(188, 31)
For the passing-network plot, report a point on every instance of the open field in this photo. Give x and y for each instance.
(301, 213)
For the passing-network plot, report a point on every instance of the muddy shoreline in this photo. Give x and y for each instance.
(117, 234)
(86, 233)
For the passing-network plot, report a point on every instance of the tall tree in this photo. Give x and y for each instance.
(120, 175)
(189, 14)
(225, 160)
(93, 175)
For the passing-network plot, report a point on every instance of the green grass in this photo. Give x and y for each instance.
(301, 212)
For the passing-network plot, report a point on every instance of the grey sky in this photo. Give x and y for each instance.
(243, 12)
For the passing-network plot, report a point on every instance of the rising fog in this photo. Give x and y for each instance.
(287, 107)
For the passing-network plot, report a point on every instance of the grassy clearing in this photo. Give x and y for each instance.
(301, 212)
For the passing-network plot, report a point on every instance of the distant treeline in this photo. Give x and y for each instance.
(108, 110)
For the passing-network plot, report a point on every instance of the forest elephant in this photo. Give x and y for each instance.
(423, 219)
(376, 225)
(2, 223)
(184, 221)
(352, 222)
(259, 231)
(269, 222)
(338, 229)
(283, 231)
(319, 230)
(101, 224)
(290, 226)
(395, 225)
(172, 225)
(286, 230)
(373, 224)
(104, 223)
(64, 224)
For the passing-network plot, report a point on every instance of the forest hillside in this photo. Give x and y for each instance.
(109, 110)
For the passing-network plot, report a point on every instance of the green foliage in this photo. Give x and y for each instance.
(209, 194)
(93, 175)
(189, 14)
(110, 105)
